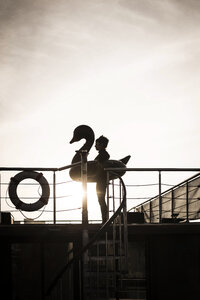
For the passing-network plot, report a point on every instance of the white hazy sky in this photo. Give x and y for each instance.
(128, 68)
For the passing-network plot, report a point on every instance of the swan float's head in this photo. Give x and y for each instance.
(82, 132)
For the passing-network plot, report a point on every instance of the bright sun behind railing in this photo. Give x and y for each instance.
(70, 197)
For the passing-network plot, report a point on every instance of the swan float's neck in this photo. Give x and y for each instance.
(87, 146)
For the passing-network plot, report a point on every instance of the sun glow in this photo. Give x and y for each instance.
(69, 201)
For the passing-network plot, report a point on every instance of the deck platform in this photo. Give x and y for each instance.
(73, 232)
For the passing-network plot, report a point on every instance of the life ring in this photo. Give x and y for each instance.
(12, 190)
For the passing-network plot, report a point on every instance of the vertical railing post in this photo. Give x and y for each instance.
(113, 195)
(172, 204)
(125, 233)
(83, 154)
(54, 197)
(187, 203)
(108, 194)
(160, 198)
(150, 211)
(85, 237)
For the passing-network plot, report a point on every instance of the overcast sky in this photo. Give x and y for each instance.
(130, 69)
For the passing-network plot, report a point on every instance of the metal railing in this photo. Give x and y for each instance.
(179, 203)
(58, 193)
(154, 195)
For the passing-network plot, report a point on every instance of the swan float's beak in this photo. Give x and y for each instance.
(72, 140)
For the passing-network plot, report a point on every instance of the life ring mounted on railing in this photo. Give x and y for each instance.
(15, 181)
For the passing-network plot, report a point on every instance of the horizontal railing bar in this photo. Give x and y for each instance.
(27, 169)
(69, 166)
(154, 169)
(38, 169)
(106, 169)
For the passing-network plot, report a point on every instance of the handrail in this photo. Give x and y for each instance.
(106, 169)
(69, 166)
(154, 169)
(93, 239)
(27, 169)
(39, 169)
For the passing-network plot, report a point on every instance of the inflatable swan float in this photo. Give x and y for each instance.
(94, 170)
